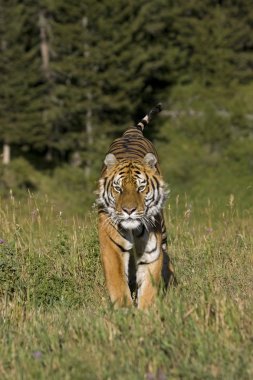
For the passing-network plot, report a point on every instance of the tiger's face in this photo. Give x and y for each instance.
(132, 192)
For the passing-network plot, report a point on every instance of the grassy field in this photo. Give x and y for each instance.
(57, 322)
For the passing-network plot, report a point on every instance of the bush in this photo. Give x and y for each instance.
(10, 269)
(18, 176)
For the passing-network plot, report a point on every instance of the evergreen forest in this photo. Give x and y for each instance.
(75, 74)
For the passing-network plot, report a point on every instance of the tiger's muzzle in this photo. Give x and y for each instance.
(129, 206)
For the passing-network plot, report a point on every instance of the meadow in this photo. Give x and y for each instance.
(57, 322)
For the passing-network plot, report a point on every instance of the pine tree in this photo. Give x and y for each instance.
(74, 75)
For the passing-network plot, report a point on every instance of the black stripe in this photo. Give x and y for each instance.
(107, 186)
(133, 131)
(116, 229)
(139, 143)
(118, 245)
(121, 154)
(152, 250)
(157, 182)
(131, 140)
(136, 147)
(142, 232)
(153, 187)
(157, 199)
(144, 121)
(126, 149)
(105, 199)
(100, 211)
(142, 124)
(136, 151)
(125, 164)
(143, 263)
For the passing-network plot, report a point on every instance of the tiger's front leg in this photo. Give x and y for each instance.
(114, 249)
(148, 280)
(149, 269)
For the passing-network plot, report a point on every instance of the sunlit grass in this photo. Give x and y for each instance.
(57, 322)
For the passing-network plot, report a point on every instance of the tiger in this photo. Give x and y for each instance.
(131, 226)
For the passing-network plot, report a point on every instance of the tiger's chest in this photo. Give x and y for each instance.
(144, 245)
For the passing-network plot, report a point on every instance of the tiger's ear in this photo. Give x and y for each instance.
(150, 160)
(110, 160)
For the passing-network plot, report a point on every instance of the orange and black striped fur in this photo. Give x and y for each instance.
(132, 232)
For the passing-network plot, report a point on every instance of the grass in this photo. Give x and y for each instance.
(57, 322)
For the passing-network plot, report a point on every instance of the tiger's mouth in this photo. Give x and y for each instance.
(130, 218)
(130, 223)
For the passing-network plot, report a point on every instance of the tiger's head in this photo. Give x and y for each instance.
(131, 192)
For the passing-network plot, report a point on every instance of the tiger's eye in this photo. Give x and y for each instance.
(117, 188)
(141, 188)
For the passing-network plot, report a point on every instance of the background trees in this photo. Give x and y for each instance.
(74, 75)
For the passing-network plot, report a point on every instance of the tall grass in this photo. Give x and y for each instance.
(57, 322)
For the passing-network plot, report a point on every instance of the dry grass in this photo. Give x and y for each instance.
(57, 323)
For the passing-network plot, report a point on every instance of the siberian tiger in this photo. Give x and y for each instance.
(132, 232)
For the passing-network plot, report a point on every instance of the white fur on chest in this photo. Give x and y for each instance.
(145, 250)
(146, 247)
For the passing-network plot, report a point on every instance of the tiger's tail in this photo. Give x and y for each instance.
(146, 120)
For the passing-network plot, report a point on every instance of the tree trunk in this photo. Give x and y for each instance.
(45, 56)
(88, 121)
(44, 46)
(6, 154)
(89, 133)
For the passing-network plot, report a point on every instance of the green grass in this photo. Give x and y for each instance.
(57, 322)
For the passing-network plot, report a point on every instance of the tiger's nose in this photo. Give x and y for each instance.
(129, 210)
